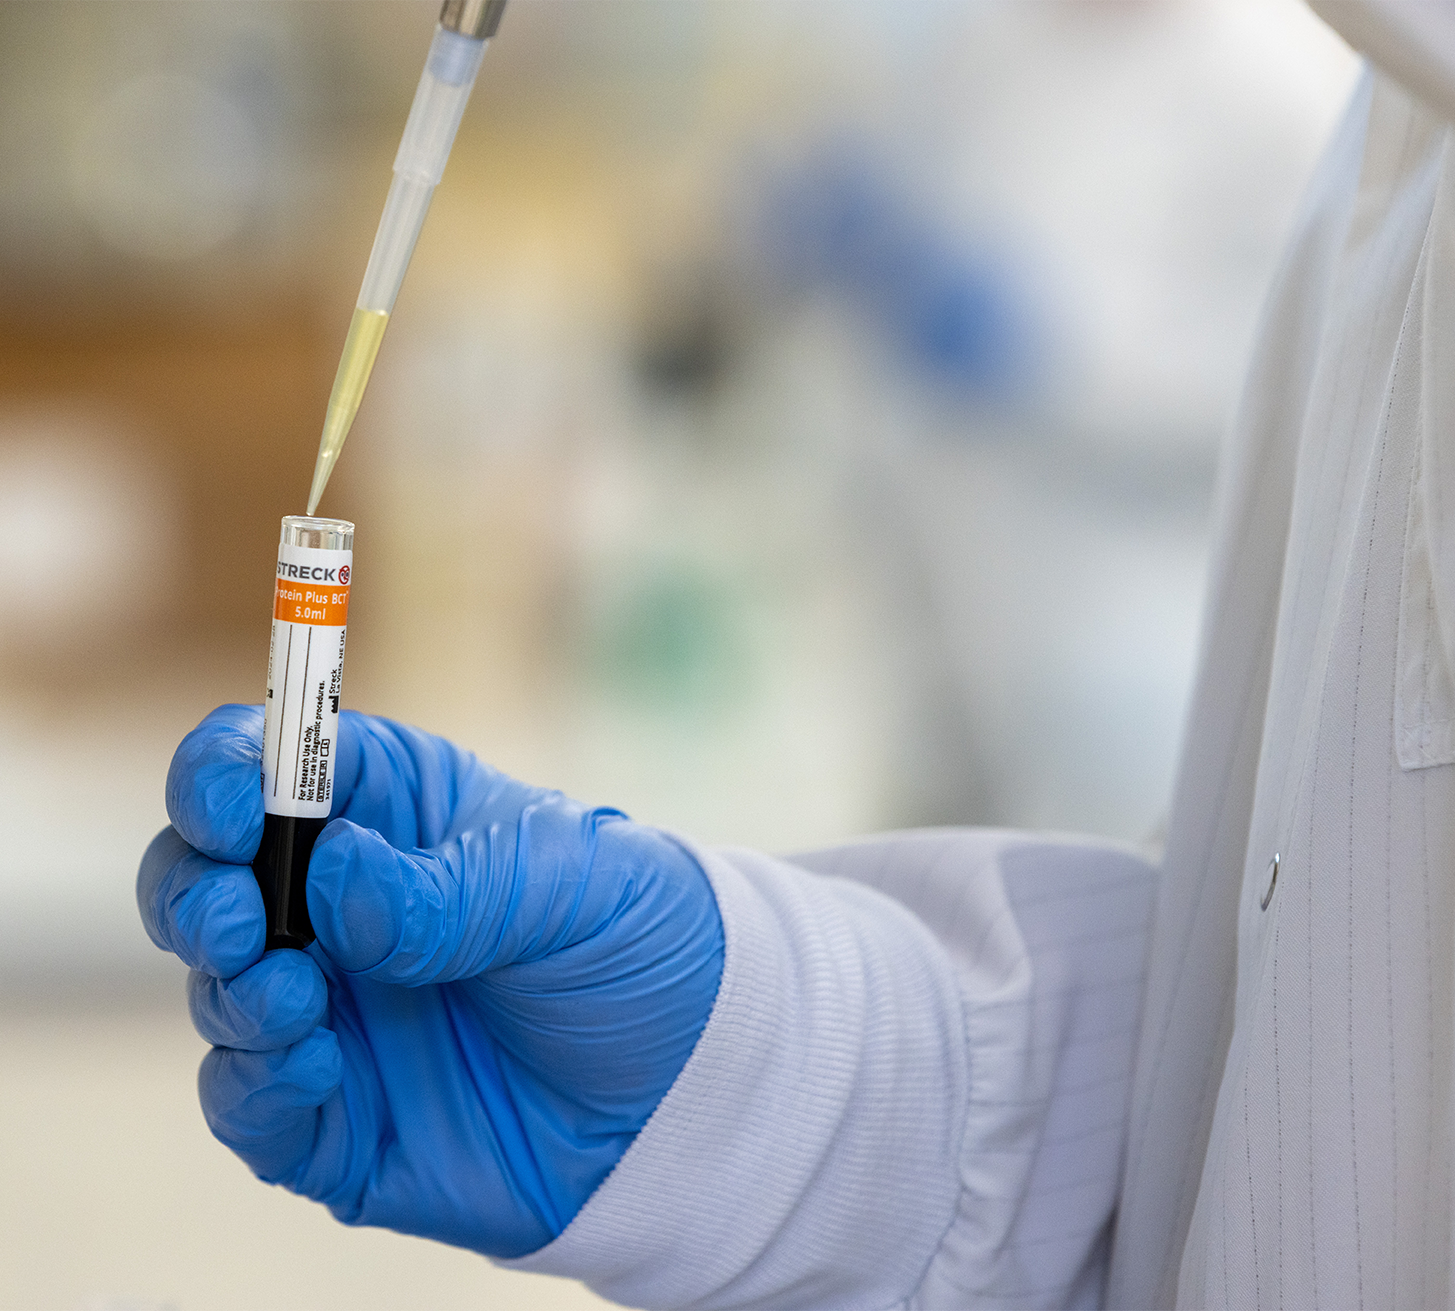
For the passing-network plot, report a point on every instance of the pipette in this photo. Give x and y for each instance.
(464, 29)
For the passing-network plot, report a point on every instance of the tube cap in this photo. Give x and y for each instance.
(472, 18)
(318, 533)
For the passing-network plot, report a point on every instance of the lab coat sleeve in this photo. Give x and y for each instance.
(911, 1092)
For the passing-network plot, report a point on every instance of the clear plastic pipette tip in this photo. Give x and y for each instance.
(434, 117)
(321, 471)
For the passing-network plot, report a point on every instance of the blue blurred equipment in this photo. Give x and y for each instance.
(957, 310)
(505, 982)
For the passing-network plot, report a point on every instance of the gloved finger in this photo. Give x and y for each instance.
(278, 1002)
(264, 1105)
(213, 796)
(492, 896)
(209, 914)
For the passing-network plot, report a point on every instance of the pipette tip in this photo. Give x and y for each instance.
(320, 481)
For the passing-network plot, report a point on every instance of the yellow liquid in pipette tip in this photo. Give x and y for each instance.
(361, 346)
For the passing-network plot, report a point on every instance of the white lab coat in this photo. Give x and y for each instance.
(1291, 1130)
(916, 1085)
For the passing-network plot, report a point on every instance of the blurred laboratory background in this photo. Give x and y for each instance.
(801, 419)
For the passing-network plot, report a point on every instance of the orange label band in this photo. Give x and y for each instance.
(309, 603)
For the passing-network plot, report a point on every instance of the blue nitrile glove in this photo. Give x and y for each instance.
(505, 982)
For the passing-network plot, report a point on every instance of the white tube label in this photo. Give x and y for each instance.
(305, 680)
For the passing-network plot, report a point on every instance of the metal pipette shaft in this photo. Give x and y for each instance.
(465, 28)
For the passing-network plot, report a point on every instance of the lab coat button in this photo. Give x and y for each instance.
(1272, 882)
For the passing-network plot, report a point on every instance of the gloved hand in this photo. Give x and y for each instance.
(504, 985)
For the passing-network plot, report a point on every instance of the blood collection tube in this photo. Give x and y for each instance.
(300, 724)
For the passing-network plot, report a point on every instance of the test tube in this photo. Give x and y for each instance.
(300, 723)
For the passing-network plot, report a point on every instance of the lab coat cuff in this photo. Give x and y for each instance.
(807, 1154)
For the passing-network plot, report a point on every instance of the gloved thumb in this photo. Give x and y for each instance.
(494, 895)
(399, 917)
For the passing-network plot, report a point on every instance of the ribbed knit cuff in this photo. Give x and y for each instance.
(807, 1156)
